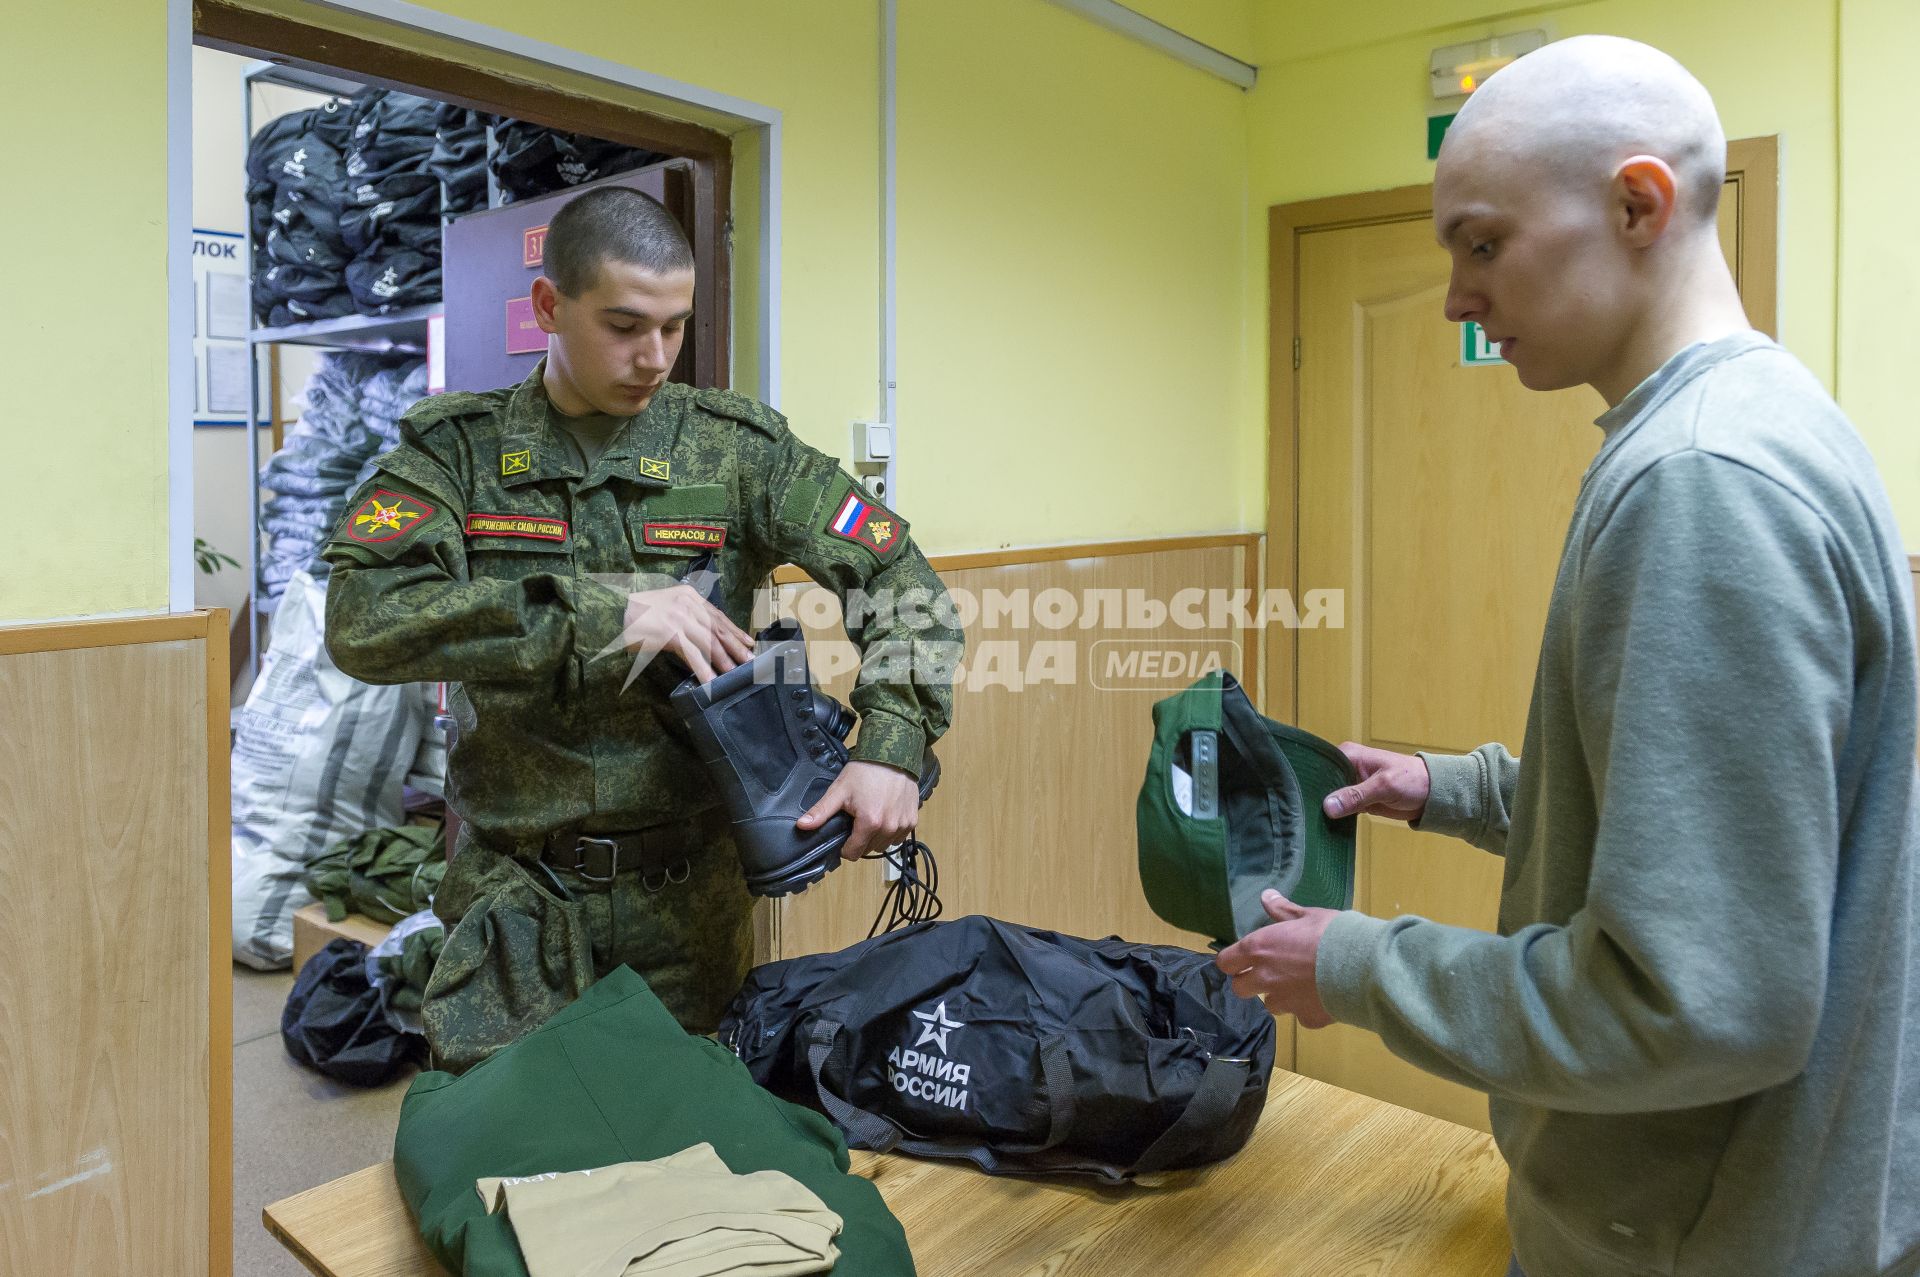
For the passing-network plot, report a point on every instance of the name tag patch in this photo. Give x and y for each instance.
(702, 536)
(516, 525)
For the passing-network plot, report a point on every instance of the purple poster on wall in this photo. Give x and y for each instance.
(491, 261)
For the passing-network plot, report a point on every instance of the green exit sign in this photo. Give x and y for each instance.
(1436, 133)
(1475, 350)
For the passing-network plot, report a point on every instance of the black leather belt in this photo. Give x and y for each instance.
(660, 854)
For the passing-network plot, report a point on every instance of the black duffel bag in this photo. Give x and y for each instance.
(1021, 1050)
(333, 1021)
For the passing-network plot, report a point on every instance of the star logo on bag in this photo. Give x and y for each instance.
(937, 1026)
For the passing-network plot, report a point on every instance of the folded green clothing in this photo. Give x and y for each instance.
(385, 874)
(613, 1078)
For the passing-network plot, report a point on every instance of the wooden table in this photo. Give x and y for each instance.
(1332, 1183)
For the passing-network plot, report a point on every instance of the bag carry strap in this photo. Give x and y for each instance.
(1212, 1103)
(870, 1130)
(873, 1131)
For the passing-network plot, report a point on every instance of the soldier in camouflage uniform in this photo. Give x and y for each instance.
(497, 549)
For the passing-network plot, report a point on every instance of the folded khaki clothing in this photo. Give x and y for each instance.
(681, 1216)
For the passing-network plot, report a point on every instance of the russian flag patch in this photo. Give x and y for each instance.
(867, 523)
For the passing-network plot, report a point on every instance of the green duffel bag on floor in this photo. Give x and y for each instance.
(1231, 806)
(610, 1079)
(383, 874)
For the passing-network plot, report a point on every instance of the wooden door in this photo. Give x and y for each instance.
(1437, 496)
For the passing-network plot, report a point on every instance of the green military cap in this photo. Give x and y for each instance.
(1231, 806)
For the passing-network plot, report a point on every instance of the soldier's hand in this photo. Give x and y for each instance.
(1391, 785)
(678, 620)
(883, 801)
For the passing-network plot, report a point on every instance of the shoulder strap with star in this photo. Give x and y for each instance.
(735, 406)
(430, 453)
(456, 405)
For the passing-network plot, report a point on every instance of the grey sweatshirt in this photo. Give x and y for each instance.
(1699, 1024)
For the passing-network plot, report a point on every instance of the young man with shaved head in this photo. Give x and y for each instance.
(1699, 1022)
(518, 544)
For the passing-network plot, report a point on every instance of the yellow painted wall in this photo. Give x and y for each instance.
(1341, 107)
(1226, 25)
(83, 331)
(1072, 232)
(1073, 222)
(1879, 249)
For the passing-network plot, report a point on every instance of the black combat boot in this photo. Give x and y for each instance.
(773, 744)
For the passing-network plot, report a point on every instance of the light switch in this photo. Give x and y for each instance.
(872, 440)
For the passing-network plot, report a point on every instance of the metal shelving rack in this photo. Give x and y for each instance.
(401, 330)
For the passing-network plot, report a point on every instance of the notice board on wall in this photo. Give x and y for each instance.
(222, 356)
(491, 261)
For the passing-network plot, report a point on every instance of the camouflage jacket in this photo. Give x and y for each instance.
(479, 554)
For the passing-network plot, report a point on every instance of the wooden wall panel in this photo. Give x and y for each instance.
(115, 1099)
(1033, 821)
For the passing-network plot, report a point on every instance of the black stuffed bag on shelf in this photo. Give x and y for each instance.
(1023, 1051)
(530, 161)
(407, 215)
(382, 280)
(459, 158)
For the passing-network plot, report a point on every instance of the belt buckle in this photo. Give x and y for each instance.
(613, 864)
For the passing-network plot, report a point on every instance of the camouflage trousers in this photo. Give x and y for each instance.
(523, 940)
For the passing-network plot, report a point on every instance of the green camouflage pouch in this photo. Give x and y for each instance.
(1230, 807)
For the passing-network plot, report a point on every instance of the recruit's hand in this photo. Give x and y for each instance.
(1391, 785)
(677, 619)
(883, 801)
(1276, 963)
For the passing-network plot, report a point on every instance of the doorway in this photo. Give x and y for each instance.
(1435, 490)
(288, 1129)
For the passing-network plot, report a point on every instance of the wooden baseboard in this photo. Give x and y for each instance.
(790, 575)
(67, 636)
